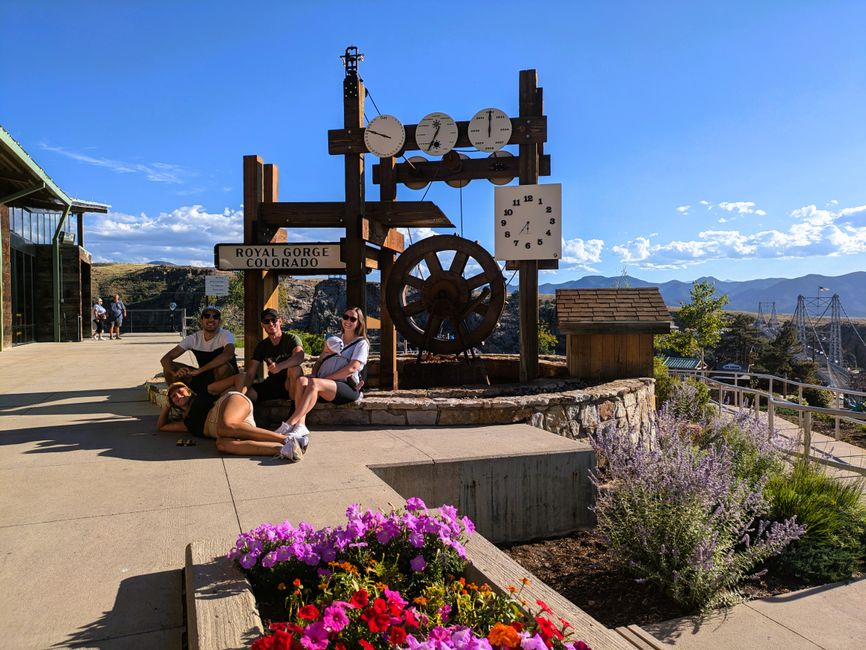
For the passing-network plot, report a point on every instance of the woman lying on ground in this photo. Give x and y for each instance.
(228, 419)
(336, 375)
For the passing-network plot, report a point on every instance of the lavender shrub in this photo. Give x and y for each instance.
(679, 516)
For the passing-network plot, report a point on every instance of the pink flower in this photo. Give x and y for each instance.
(315, 636)
(335, 619)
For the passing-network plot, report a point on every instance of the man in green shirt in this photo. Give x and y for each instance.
(282, 355)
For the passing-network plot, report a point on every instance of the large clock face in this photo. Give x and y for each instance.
(436, 134)
(528, 222)
(489, 129)
(384, 136)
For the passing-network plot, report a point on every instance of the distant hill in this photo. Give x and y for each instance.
(745, 295)
(159, 263)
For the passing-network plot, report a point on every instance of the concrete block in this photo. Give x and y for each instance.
(389, 418)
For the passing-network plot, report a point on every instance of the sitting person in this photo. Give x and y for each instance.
(283, 355)
(228, 419)
(213, 349)
(331, 383)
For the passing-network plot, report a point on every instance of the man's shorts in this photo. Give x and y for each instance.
(273, 387)
(116, 320)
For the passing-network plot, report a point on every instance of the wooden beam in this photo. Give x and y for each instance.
(615, 327)
(253, 196)
(530, 104)
(524, 129)
(402, 214)
(543, 265)
(470, 168)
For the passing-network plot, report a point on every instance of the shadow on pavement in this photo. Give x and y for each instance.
(145, 603)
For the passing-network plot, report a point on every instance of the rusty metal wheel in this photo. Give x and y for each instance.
(434, 306)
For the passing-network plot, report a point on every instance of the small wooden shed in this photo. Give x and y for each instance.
(609, 332)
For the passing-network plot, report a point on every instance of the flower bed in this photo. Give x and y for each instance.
(385, 581)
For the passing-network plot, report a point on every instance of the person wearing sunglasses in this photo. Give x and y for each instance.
(214, 352)
(282, 354)
(341, 386)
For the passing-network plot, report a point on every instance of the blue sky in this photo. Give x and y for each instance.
(690, 138)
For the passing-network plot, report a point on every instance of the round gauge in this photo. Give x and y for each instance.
(436, 134)
(463, 182)
(384, 136)
(489, 129)
(504, 180)
(416, 185)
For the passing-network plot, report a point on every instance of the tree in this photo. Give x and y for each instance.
(700, 321)
(780, 357)
(740, 342)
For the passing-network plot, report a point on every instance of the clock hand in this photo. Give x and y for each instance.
(524, 227)
(433, 139)
(489, 125)
(384, 135)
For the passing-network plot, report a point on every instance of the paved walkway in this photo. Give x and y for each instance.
(97, 508)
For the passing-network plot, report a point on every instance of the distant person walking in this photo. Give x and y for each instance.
(116, 314)
(99, 316)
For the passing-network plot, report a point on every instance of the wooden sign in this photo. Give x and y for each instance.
(308, 258)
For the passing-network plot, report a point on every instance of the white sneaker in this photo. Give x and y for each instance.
(284, 427)
(300, 431)
(291, 451)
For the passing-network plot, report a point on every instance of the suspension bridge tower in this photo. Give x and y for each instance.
(810, 317)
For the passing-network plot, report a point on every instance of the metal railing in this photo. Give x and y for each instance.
(737, 394)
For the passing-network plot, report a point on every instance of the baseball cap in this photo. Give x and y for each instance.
(269, 313)
(211, 309)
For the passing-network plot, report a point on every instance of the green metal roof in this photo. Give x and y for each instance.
(20, 171)
(682, 363)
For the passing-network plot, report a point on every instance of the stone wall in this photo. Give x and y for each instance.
(627, 404)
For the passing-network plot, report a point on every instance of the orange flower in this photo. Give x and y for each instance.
(420, 600)
(525, 581)
(512, 589)
(504, 635)
(297, 582)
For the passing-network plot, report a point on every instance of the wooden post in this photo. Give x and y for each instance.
(530, 104)
(353, 244)
(253, 289)
(271, 279)
(388, 377)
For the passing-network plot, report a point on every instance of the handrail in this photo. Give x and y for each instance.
(804, 411)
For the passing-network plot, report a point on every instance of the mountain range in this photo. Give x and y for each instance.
(745, 295)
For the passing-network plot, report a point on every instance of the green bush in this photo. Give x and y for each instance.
(690, 399)
(834, 545)
(546, 340)
(664, 381)
(818, 397)
(313, 343)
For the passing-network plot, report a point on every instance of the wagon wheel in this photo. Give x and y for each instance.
(442, 311)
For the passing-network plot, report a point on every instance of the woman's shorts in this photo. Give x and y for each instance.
(345, 394)
(213, 416)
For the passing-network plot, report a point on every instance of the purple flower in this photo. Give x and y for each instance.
(415, 503)
(248, 560)
(445, 613)
(418, 563)
(534, 642)
(315, 636)
(416, 539)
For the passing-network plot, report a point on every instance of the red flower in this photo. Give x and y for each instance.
(517, 625)
(411, 621)
(365, 645)
(377, 621)
(360, 599)
(544, 607)
(397, 635)
(297, 582)
(264, 643)
(308, 613)
(547, 629)
(339, 646)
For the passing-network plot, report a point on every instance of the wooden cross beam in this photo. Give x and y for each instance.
(405, 214)
(526, 129)
(507, 167)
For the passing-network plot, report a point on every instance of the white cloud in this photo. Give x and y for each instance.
(157, 172)
(580, 253)
(741, 207)
(416, 234)
(684, 209)
(812, 232)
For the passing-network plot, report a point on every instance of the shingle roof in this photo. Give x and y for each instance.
(598, 307)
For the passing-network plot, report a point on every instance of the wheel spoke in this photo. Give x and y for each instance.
(414, 281)
(433, 264)
(458, 264)
(414, 308)
(481, 309)
(476, 281)
(432, 328)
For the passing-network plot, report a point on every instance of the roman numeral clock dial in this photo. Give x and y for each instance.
(528, 222)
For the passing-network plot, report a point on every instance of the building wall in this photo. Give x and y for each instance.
(6, 278)
(605, 357)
